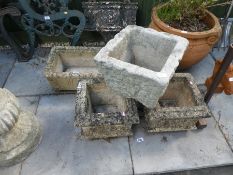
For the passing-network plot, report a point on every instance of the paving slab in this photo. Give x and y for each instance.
(224, 170)
(14, 170)
(27, 78)
(7, 59)
(29, 103)
(221, 106)
(179, 151)
(63, 152)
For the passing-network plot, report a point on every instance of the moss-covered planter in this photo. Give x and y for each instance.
(101, 113)
(179, 108)
(109, 17)
(67, 65)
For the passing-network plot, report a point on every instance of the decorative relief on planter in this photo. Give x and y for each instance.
(20, 131)
(101, 113)
(138, 63)
(109, 17)
(67, 65)
(179, 108)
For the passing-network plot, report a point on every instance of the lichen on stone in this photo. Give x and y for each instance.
(97, 106)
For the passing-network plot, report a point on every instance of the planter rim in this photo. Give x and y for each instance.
(214, 30)
(110, 3)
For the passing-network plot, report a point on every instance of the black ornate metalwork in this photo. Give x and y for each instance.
(25, 52)
(108, 18)
(52, 18)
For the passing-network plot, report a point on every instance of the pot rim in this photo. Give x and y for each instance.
(213, 31)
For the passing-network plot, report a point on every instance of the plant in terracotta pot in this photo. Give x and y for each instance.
(189, 19)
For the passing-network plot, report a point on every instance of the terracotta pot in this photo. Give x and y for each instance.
(209, 80)
(227, 81)
(200, 43)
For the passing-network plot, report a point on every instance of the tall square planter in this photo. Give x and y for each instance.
(67, 65)
(101, 113)
(180, 108)
(139, 62)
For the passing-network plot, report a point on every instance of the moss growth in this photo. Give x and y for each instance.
(178, 10)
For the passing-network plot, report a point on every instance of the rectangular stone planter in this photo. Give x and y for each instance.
(139, 62)
(179, 108)
(109, 16)
(67, 65)
(101, 113)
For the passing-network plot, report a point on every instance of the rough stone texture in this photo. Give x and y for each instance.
(28, 104)
(106, 131)
(117, 15)
(101, 113)
(62, 152)
(67, 65)
(138, 63)
(9, 111)
(179, 108)
(13, 170)
(20, 131)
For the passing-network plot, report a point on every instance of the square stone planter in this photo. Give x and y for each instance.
(101, 113)
(67, 65)
(180, 108)
(139, 62)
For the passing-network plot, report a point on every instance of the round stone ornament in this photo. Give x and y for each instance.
(20, 131)
(9, 111)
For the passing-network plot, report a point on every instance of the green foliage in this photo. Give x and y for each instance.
(177, 10)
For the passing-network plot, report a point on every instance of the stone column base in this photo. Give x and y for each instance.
(21, 140)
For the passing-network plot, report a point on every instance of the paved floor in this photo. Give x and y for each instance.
(62, 152)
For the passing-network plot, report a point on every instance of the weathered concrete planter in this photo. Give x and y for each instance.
(67, 65)
(101, 113)
(179, 108)
(109, 17)
(138, 63)
(20, 132)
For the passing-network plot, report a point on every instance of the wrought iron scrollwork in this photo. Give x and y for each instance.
(24, 52)
(52, 18)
